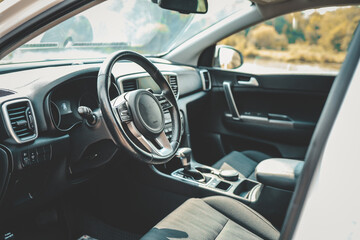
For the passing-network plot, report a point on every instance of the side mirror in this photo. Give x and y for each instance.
(227, 57)
(184, 6)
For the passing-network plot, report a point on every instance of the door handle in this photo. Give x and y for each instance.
(230, 100)
(252, 82)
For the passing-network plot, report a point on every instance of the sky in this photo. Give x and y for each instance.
(307, 13)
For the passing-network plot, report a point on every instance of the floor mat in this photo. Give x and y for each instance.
(97, 229)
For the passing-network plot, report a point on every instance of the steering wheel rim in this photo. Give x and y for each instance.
(139, 135)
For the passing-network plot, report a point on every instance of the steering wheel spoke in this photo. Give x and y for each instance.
(159, 145)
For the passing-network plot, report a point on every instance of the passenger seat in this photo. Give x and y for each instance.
(244, 162)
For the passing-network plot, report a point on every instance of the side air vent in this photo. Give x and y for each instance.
(129, 85)
(206, 80)
(20, 120)
(174, 84)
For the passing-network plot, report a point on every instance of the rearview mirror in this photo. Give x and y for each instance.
(184, 6)
(227, 57)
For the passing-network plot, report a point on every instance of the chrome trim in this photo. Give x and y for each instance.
(203, 79)
(9, 128)
(166, 148)
(252, 82)
(52, 104)
(264, 121)
(119, 80)
(255, 119)
(281, 123)
(230, 100)
(176, 174)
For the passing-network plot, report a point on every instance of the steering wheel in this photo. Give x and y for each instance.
(136, 119)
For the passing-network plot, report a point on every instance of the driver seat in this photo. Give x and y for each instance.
(215, 217)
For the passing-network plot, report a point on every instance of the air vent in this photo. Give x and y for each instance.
(174, 84)
(129, 85)
(206, 80)
(20, 120)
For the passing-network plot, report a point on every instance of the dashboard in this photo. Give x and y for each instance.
(45, 144)
(64, 100)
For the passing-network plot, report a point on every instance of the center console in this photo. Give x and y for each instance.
(226, 182)
(269, 194)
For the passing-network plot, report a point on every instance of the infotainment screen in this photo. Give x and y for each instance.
(148, 82)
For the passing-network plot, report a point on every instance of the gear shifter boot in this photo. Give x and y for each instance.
(195, 174)
(184, 154)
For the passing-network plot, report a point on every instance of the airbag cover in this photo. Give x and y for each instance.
(147, 112)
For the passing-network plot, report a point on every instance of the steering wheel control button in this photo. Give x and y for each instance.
(165, 104)
(124, 112)
(230, 175)
(125, 116)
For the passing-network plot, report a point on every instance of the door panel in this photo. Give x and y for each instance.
(277, 117)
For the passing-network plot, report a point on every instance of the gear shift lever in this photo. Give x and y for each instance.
(184, 154)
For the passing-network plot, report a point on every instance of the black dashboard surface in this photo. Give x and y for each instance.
(37, 84)
(65, 146)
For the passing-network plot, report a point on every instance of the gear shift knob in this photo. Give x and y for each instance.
(184, 154)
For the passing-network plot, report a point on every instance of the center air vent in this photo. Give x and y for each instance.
(174, 84)
(20, 120)
(205, 78)
(129, 85)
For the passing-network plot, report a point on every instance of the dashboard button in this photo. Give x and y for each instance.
(25, 154)
(125, 116)
(124, 113)
(33, 156)
(25, 160)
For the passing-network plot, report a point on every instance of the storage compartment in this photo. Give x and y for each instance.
(248, 189)
(223, 185)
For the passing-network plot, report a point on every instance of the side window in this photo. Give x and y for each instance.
(313, 41)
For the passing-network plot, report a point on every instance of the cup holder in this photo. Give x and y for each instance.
(248, 190)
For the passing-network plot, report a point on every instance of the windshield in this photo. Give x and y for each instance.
(137, 25)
